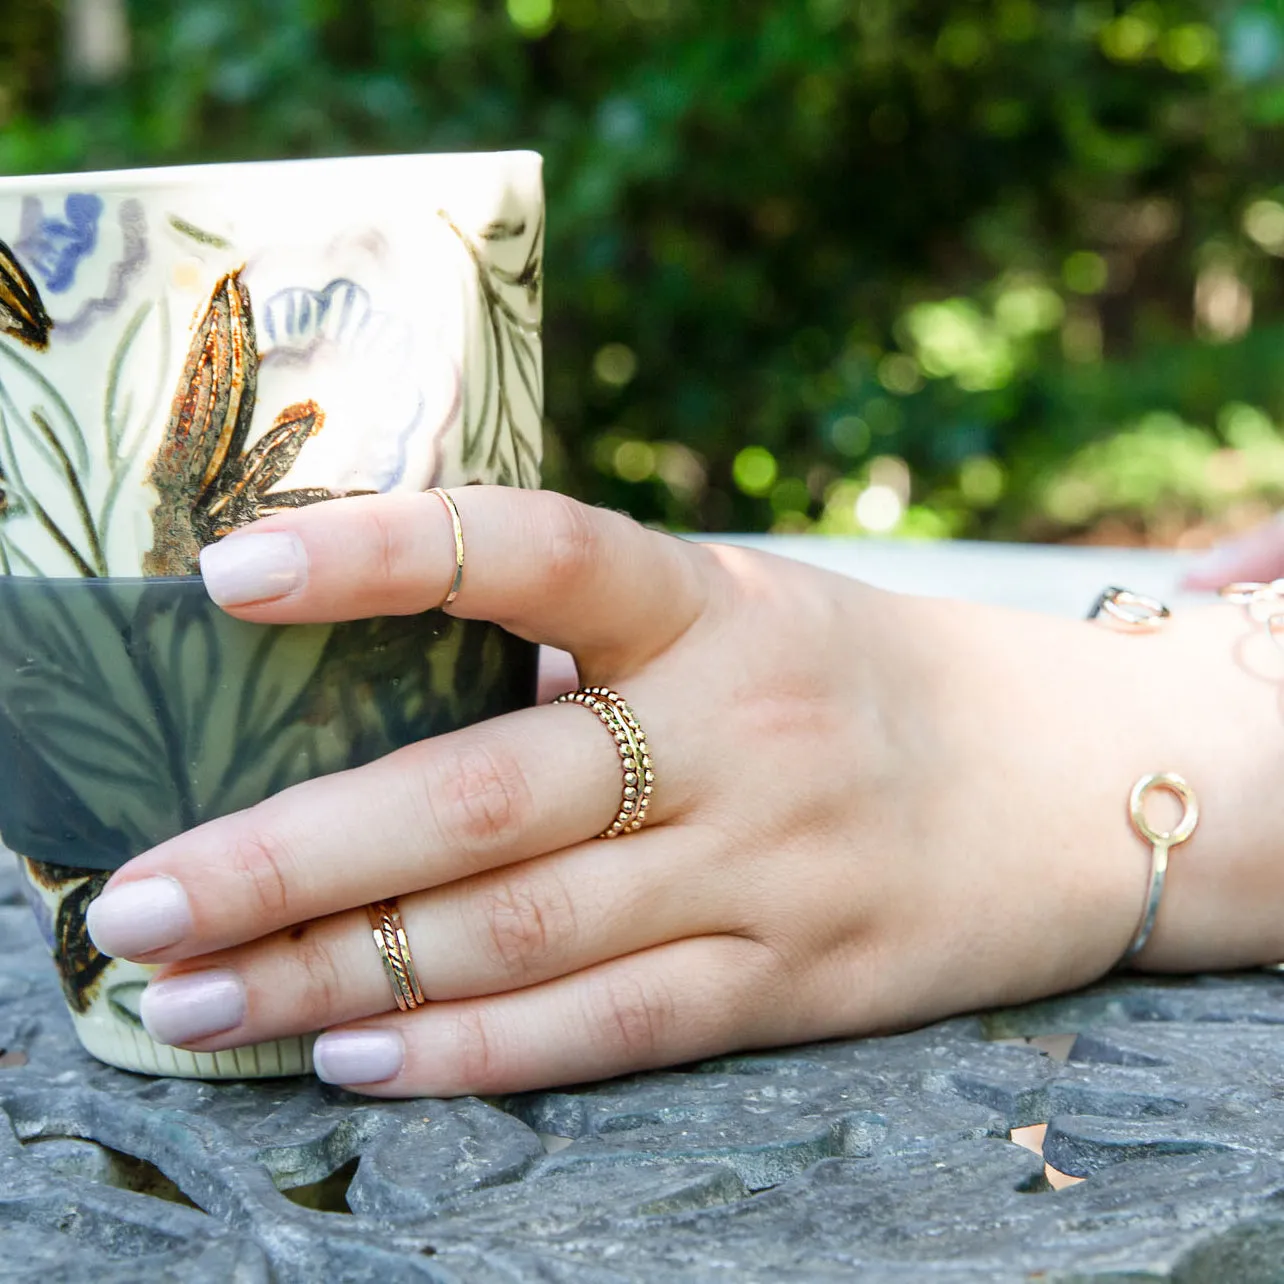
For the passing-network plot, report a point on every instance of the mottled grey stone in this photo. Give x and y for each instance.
(883, 1159)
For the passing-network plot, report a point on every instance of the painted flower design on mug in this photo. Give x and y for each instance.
(22, 311)
(163, 385)
(207, 482)
(80, 965)
(389, 392)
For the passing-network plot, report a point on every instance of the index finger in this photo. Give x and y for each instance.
(541, 565)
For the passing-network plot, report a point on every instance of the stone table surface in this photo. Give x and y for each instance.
(879, 1159)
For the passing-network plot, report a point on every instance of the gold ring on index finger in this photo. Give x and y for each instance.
(457, 530)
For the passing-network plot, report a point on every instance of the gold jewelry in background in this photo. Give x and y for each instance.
(1263, 603)
(614, 713)
(390, 940)
(1242, 592)
(1161, 842)
(457, 528)
(1132, 611)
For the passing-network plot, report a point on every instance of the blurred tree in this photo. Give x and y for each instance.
(834, 264)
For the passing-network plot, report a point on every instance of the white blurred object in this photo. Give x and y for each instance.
(97, 40)
(1054, 579)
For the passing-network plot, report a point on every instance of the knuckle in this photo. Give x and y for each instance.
(261, 863)
(477, 1057)
(525, 927)
(635, 1015)
(482, 796)
(571, 551)
(318, 992)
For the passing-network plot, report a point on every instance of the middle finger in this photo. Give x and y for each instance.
(503, 930)
(530, 782)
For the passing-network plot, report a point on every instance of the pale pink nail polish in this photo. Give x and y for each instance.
(183, 1009)
(358, 1056)
(136, 918)
(254, 568)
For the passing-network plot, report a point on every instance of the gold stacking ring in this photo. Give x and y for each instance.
(457, 529)
(390, 939)
(1133, 611)
(613, 712)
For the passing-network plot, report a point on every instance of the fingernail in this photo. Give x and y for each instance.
(183, 1009)
(358, 1056)
(254, 568)
(137, 918)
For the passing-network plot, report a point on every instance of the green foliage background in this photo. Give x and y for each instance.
(976, 267)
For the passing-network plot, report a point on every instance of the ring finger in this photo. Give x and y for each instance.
(498, 931)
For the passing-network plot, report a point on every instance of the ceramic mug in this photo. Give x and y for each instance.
(181, 352)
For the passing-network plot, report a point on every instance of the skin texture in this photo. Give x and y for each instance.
(871, 811)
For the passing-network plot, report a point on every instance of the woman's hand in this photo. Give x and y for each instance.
(870, 811)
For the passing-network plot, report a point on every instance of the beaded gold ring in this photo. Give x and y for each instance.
(614, 713)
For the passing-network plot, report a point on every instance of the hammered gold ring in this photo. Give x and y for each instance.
(614, 713)
(394, 949)
(457, 530)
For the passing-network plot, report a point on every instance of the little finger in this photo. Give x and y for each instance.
(675, 1003)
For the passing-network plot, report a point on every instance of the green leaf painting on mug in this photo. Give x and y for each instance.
(93, 708)
(124, 1000)
(132, 400)
(45, 464)
(44, 459)
(510, 377)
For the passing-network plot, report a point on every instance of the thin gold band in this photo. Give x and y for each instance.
(394, 949)
(614, 713)
(457, 528)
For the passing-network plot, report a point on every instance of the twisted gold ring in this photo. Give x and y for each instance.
(390, 940)
(612, 710)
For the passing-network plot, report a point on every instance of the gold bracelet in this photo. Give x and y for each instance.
(1161, 842)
